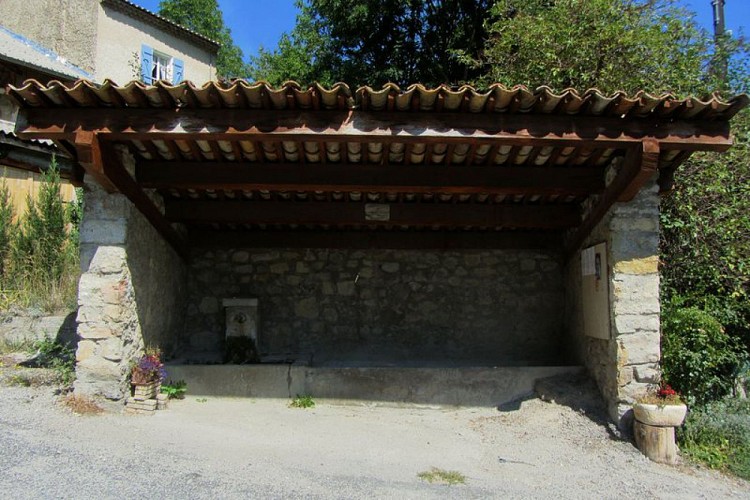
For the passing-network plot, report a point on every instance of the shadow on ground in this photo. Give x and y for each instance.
(578, 392)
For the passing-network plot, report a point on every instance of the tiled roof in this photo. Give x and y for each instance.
(163, 23)
(250, 157)
(465, 99)
(19, 50)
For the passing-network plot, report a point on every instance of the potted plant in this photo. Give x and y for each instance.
(656, 416)
(663, 408)
(147, 374)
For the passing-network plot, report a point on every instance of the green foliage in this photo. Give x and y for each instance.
(699, 359)
(41, 262)
(302, 402)
(705, 239)
(403, 42)
(718, 435)
(175, 389)
(205, 17)
(41, 240)
(7, 225)
(59, 357)
(628, 45)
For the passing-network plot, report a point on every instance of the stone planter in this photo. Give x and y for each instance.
(654, 430)
(660, 415)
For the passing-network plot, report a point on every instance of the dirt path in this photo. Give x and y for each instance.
(229, 448)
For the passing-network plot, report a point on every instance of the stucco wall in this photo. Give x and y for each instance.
(384, 307)
(119, 48)
(131, 293)
(627, 363)
(68, 28)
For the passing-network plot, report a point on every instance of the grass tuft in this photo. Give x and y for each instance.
(449, 477)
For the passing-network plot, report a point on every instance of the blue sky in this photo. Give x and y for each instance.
(255, 23)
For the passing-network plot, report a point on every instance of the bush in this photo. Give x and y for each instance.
(40, 252)
(698, 358)
(718, 434)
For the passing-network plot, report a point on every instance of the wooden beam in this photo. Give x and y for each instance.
(373, 214)
(357, 177)
(88, 148)
(362, 126)
(379, 239)
(116, 173)
(638, 167)
(105, 167)
(639, 170)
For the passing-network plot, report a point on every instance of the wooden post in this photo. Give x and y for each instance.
(656, 442)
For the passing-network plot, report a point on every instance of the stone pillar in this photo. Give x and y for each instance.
(106, 315)
(634, 298)
(131, 293)
(627, 363)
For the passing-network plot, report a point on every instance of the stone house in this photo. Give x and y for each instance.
(456, 237)
(112, 39)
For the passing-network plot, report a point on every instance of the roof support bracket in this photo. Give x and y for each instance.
(639, 165)
(100, 161)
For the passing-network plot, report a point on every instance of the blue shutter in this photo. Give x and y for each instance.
(147, 63)
(178, 70)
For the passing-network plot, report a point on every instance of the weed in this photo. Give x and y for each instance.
(175, 389)
(82, 405)
(32, 377)
(718, 435)
(12, 346)
(59, 358)
(201, 400)
(435, 475)
(302, 402)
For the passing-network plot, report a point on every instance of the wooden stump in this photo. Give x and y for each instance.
(657, 443)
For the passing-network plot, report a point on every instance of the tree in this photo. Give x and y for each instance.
(628, 45)
(374, 42)
(205, 17)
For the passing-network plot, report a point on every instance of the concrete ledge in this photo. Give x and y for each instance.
(479, 386)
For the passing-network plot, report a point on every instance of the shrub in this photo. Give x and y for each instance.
(698, 358)
(41, 262)
(7, 225)
(718, 434)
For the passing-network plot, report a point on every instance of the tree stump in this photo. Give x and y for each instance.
(656, 442)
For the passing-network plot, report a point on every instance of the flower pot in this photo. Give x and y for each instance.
(660, 415)
(146, 391)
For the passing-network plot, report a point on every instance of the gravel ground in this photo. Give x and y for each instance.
(233, 448)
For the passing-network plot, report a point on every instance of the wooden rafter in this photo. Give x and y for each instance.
(100, 161)
(639, 165)
(373, 214)
(358, 177)
(380, 239)
(361, 126)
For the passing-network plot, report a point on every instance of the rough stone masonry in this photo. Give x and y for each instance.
(130, 294)
(628, 362)
(384, 307)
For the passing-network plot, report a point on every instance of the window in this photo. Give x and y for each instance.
(157, 66)
(161, 67)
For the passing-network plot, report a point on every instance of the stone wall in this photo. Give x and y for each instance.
(384, 307)
(27, 326)
(131, 293)
(627, 363)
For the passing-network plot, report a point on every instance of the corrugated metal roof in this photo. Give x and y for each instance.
(19, 50)
(163, 23)
(496, 98)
